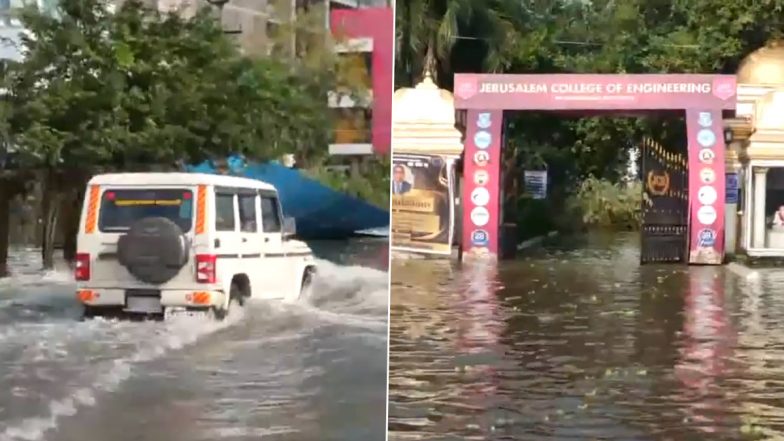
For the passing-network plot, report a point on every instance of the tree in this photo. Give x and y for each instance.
(439, 26)
(9, 181)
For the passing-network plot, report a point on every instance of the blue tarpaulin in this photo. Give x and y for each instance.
(320, 212)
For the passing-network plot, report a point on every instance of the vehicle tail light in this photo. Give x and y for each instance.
(82, 268)
(199, 298)
(205, 268)
(87, 296)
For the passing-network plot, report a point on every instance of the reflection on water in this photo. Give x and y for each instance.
(581, 342)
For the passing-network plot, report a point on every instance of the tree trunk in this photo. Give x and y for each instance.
(5, 215)
(71, 224)
(73, 207)
(356, 171)
(50, 208)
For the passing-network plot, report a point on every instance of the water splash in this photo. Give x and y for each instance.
(54, 366)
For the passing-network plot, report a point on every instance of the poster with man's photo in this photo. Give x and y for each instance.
(422, 208)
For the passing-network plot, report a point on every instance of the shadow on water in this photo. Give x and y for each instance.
(578, 341)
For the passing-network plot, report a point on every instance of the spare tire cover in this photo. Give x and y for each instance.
(154, 250)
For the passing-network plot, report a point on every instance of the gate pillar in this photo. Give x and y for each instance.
(705, 131)
(481, 199)
(426, 148)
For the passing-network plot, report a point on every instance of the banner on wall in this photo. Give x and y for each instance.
(707, 196)
(422, 203)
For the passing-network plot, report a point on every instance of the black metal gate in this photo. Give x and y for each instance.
(665, 204)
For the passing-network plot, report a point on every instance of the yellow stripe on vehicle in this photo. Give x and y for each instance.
(92, 210)
(201, 209)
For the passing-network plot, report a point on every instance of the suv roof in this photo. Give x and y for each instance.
(147, 179)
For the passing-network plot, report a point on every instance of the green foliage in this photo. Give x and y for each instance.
(597, 36)
(604, 204)
(136, 87)
(438, 26)
(372, 184)
(535, 217)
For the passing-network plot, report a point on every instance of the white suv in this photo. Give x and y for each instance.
(159, 244)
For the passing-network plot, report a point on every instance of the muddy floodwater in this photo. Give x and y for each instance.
(577, 341)
(312, 370)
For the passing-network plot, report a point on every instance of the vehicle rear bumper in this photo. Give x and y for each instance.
(169, 298)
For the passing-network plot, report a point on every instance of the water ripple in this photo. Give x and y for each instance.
(579, 341)
(314, 369)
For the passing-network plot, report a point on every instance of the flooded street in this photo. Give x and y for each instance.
(311, 370)
(577, 341)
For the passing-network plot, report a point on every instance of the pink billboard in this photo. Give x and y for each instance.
(594, 92)
(702, 97)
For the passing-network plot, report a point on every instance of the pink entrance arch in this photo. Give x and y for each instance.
(487, 96)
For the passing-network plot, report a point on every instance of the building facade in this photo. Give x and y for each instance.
(364, 30)
(363, 116)
(755, 157)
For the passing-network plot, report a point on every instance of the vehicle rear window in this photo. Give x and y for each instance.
(122, 208)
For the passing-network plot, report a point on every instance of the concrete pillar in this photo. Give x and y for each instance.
(731, 218)
(732, 167)
(758, 219)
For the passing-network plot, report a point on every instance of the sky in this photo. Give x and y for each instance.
(8, 38)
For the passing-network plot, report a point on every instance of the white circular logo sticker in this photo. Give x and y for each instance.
(707, 176)
(483, 121)
(706, 156)
(707, 195)
(706, 215)
(706, 138)
(480, 196)
(480, 216)
(705, 119)
(481, 158)
(482, 139)
(481, 177)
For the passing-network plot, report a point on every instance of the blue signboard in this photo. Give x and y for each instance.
(732, 188)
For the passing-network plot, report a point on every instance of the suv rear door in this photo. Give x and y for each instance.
(112, 210)
(276, 265)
